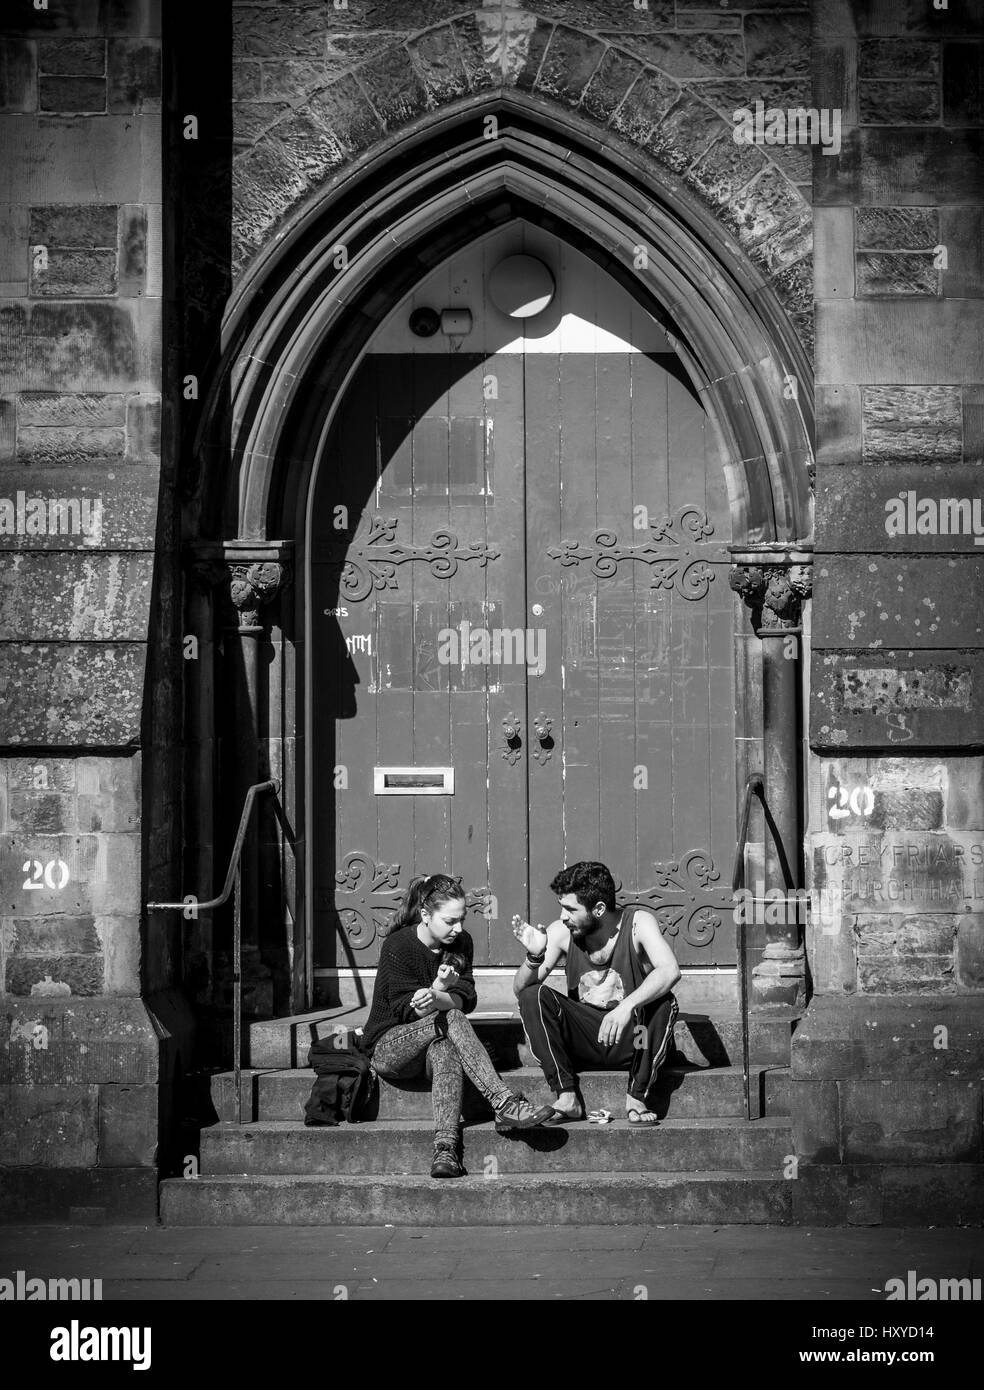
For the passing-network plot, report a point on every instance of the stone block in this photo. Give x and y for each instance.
(282, 32)
(143, 429)
(131, 17)
(891, 58)
(921, 424)
(113, 160)
(120, 938)
(609, 84)
(47, 812)
(687, 131)
(898, 103)
(936, 1039)
(897, 229)
(903, 1120)
(134, 68)
(285, 79)
(68, 17)
(39, 774)
(899, 954)
(924, 699)
(900, 600)
(837, 1195)
(644, 107)
(910, 343)
(86, 225)
(924, 166)
(56, 408)
(897, 273)
(74, 596)
(109, 793)
(393, 87)
(906, 872)
(854, 505)
(570, 61)
(838, 415)
(89, 518)
(81, 95)
(8, 431)
(693, 54)
(777, 45)
(247, 79)
(608, 14)
(87, 274)
(75, 1041)
(933, 1194)
(815, 1114)
(963, 84)
(133, 250)
(54, 975)
(18, 75)
(48, 1126)
(469, 39)
(970, 951)
(67, 1195)
(128, 1126)
(72, 57)
(53, 936)
(86, 346)
(833, 253)
(962, 233)
(68, 695)
(59, 446)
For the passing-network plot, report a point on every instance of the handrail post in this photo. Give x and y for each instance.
(237, 988)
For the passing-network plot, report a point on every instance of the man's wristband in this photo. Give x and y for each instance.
(535, 960)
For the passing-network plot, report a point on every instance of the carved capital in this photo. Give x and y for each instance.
(253, 586)
(773, 593)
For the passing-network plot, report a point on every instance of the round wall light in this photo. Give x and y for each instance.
(521, 286)
(424, 322)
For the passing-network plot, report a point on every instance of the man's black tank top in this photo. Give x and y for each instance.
(605, 986)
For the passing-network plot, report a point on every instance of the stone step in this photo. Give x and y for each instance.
(282, 1147)
(701, 1039)
(680, 1093)
(528, 1199)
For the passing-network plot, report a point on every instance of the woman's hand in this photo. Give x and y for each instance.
(423, 1003)
(447, 977)
(533, 938)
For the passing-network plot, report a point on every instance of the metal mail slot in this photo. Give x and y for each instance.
(413, 781)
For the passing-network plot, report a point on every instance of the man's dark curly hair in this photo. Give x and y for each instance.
(589, 882)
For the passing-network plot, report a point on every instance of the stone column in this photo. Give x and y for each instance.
(773, 581)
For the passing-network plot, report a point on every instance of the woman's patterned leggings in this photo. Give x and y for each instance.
(415, 1049)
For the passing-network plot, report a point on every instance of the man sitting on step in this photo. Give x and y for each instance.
(618, 1011)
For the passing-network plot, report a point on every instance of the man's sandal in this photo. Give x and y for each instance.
(647, 1118)
(561, 1117)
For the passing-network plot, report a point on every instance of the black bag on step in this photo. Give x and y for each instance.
(343, 1086)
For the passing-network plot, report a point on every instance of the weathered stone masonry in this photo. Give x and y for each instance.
(841, 253)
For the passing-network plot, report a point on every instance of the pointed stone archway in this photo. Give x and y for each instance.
(305, 310)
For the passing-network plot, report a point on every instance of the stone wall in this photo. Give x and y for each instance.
(888, 1062)
(81, 263)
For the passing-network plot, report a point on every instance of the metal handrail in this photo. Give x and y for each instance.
(755, 785)
(234, 875)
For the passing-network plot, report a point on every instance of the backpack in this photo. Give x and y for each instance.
(343, 1085)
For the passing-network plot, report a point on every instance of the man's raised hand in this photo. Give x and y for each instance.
(533, 938)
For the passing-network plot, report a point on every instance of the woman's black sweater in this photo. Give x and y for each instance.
(406, 965)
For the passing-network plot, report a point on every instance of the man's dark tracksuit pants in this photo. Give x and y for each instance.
(563, 1035)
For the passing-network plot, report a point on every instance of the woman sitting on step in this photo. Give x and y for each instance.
(417, 1022)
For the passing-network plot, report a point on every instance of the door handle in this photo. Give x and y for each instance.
(511, 727)
(542, 725)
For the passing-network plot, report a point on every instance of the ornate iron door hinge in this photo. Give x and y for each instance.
(368, 560)
(677, 553)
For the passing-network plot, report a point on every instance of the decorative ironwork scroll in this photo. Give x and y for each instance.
(685, 899)
(672, 553)
(367, 895)
(368, 560)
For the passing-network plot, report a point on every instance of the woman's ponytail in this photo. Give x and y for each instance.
(423, 893)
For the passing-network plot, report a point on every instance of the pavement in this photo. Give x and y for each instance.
(599, 1263)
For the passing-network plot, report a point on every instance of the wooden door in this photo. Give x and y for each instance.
(627, 525)
(572, 500)
(419, 547)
